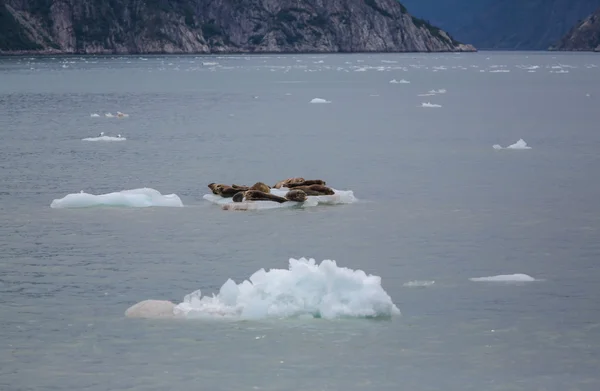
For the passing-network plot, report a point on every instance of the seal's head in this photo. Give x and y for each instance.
(213, 188)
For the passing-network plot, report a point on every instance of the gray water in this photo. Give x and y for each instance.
(437, 203)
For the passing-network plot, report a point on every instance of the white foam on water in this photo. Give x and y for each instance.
(340, 197)
(418, 283)
(305, 289)
(320, 100)
(429, 104)
(426, 95)
(440, 91)
(135, 198)
(104, 138)
(403, 81)
(94, 115)
(497, 146)
(505, 278)
(500, 71)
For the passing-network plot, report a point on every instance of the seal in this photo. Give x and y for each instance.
(286, 182)
(296, 195)
(307, 182)
(225, 191)
(315, 190)
(260, 186)
(238, 197)
(257, 195)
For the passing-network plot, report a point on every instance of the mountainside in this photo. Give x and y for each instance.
(504, 24)
(585, 36)
(209, 26)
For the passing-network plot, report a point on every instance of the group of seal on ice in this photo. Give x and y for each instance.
(300, 188)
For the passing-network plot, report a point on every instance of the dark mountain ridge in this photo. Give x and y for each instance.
(216, 26)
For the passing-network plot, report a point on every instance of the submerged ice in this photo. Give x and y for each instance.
(135, 198)
(305, 289)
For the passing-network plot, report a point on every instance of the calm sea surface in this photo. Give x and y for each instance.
(437, 203)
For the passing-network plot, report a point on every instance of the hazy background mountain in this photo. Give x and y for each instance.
(504, 24)
(584, 36)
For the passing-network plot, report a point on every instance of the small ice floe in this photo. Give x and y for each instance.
(519, 277)
(94, 115)
(402, 81)
(521, 144)
(429, 104)
(320, 100)
(109, 115)
(418, 283)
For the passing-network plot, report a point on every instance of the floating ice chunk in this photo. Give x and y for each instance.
(339, 197)
(418, 283)
(521, 144)
(428, 104)
(104, 138)
(153, 309)
(305, 289)
(319, 100)
(135, 198)
(505, 278)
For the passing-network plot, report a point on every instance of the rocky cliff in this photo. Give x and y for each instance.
(216, 26)
(585, 36)
(504, 24)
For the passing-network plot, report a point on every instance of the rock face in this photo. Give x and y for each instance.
(504, 24)
(585, 36)
(216, 26)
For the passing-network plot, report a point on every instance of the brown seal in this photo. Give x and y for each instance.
(238, 197)
(315, 190)
(257, 195)
(296, 195)
(307, 182)
(286, 182)
(260, 186)
(227, 191)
